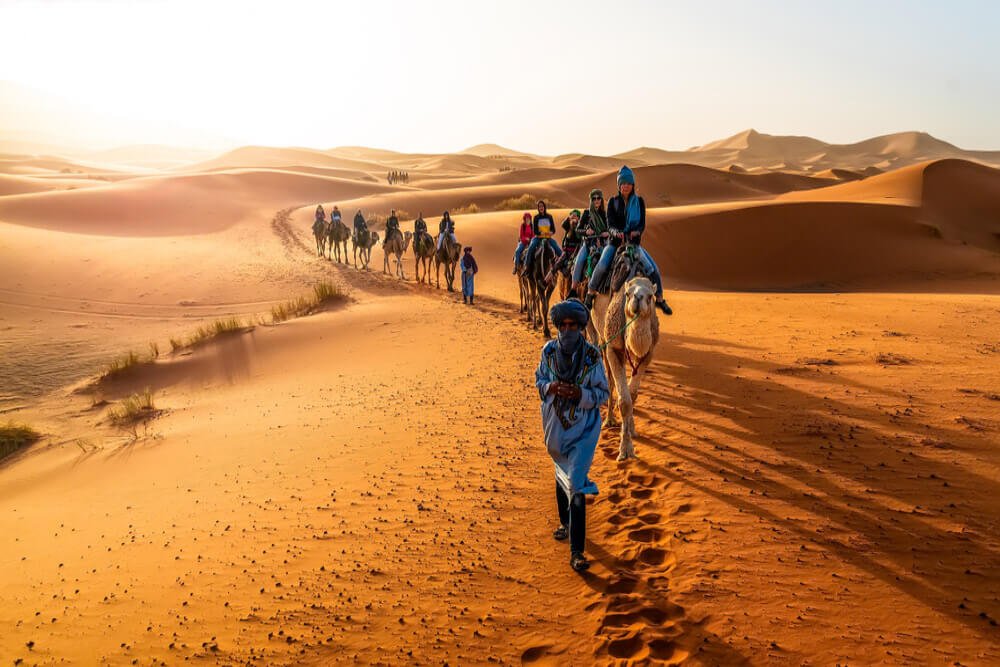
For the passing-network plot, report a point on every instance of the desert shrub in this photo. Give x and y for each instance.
(121, 364)
(15, 436)
(525, 202)
(468, 209)
(323, 293)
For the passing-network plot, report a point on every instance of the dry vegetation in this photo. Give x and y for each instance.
(15, 436)
(524, 203)
(323, 294)
(135, 411)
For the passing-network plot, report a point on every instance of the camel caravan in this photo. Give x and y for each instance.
(333, 235)
(600, 264)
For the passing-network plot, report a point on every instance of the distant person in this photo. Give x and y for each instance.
(592, 231)
(320, 213)
(446, 226)
(469, 270)
(627, 221)
(524, 236)
(544, 228)
(391, 227)
(335, 215)
(572, 386)
(570, 243)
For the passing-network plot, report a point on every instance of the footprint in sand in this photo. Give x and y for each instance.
(648, 615)
(650, 481)
(622, 586)
(629, 648)
(653, 556)
(650, 518)
(646, 535)
(682, 509)
(641, 494)
(537, 655)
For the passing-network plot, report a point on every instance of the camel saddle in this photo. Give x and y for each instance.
(625, 266)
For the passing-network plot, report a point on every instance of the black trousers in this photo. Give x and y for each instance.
(573, 515)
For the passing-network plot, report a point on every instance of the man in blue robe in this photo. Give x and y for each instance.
(572, 387)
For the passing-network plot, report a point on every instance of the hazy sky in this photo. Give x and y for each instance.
(547, 77)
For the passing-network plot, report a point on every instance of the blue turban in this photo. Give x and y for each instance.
(625, 175)
(569, 309)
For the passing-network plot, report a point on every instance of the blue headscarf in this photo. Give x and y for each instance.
(632, 213)
(625, 175)
(570, 309)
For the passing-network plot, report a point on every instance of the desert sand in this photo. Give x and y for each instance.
(819, 435)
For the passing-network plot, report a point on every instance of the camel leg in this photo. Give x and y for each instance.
(611, 421)
(543, 312)
(633, 388)
(626, 449)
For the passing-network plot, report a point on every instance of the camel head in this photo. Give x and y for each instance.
(640, 296)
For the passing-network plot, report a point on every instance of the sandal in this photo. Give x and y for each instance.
(560, 533)
(578, 562)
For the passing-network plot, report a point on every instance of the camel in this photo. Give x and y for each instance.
(423, 252)
(447, 255)
(539, 290)
(337, 234)
(319, 231)
(563, 278)
(396, 246)
(627, 327)
(364, 241)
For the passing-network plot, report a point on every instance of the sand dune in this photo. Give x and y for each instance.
(961, 199)
(176, 205)
(264, 156)
(486, 150)
(17, 185)
(368, 484)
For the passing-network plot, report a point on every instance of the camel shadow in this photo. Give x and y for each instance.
(850, 462)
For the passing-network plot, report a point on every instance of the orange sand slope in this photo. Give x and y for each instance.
(368, 484)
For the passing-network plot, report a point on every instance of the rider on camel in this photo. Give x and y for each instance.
(359, 225)
(446, 226)
(593, 231)
(570, 243)
(627, 222)
(544, 227)
(391, 227)
(525, 234)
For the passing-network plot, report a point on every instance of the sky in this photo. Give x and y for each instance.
(548, 77)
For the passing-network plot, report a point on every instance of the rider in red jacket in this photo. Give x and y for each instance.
(525, 234)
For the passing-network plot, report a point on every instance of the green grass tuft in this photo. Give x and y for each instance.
(15, 436)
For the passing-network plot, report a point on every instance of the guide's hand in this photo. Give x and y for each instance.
(553, 389)
(572, 392)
